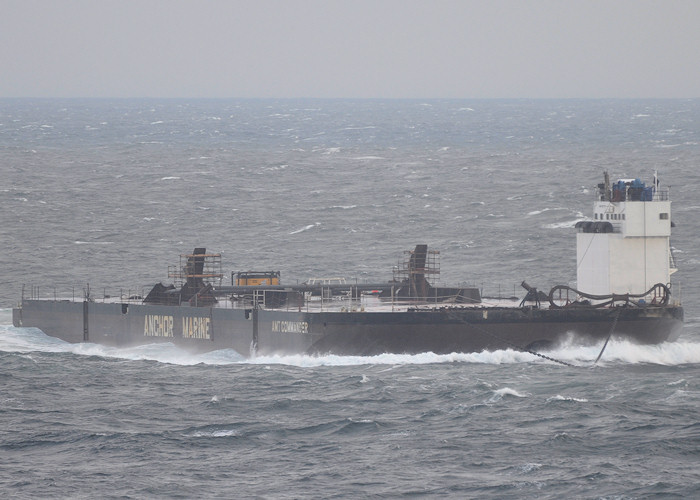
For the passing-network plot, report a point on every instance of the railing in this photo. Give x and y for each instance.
(661, 195)
(81, 293)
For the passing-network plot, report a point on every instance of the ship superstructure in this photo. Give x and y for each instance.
(626, 248)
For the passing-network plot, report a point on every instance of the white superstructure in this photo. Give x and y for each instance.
(626, 247)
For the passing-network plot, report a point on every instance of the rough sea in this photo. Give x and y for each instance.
(108, 193)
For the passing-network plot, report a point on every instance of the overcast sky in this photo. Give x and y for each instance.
(358, 48)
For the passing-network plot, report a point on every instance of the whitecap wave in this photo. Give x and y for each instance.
(305, 228)
(529, 467)
(215, 433)
(539, 212)
(679, 382)
(507, 391)
(559, 397)
(564, 225)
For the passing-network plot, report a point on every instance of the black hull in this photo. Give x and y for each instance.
(440, 331)
(475, 330)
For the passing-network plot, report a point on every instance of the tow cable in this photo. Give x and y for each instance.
(612, 329)
(511, 344)
(534, 353)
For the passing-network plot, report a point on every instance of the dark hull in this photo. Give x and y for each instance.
(490, 329)
(344, 333)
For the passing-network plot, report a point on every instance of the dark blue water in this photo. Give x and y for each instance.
(111, 192)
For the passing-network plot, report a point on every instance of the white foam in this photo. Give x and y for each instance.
(679, 382)
(564, 225)
(215, 434)
(25, 340)
(559, 397)
(619, 351)
(539, 212)
(529, 467)
(500, 394)
(485, 357)
(507, 391)
(306, 228)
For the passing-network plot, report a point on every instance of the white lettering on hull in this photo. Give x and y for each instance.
(290, 327)
(158, 325)
(196, 328)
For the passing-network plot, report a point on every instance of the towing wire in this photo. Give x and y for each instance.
(515, 346)
(612, 329)
(529, 351)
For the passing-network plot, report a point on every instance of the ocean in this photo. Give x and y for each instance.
(107, 194)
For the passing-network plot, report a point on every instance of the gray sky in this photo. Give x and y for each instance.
(359, 48)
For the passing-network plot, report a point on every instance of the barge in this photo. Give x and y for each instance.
(624, 268)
